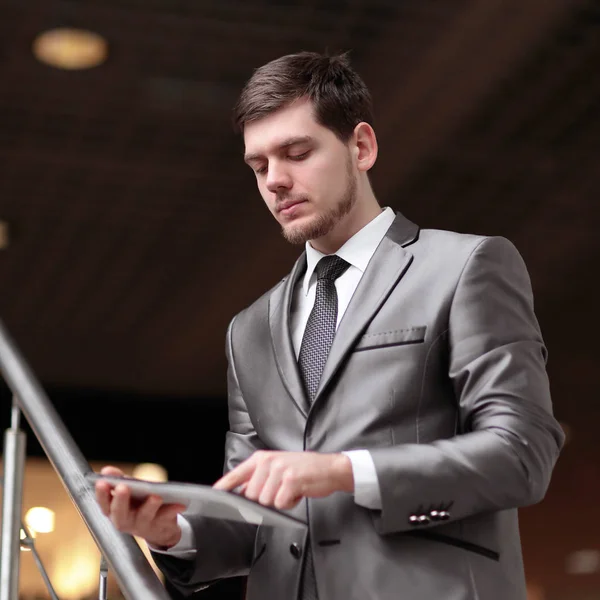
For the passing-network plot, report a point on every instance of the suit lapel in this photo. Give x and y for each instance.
(384, 271)
(280, 304)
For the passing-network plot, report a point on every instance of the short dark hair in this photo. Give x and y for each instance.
(340, 98)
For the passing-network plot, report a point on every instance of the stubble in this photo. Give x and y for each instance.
(322, 224)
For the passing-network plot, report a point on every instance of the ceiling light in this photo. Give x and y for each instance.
(40, 519)
(70, 49)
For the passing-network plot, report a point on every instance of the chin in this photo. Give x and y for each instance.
(302, 230)
(295, 234)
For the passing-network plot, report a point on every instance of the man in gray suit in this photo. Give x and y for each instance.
(391, 390)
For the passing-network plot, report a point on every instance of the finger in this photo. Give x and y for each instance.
(288, 496)
(121, 513)
(286, 501)
(241, 474)
(103, 496)
(146, 513)
(257, 481)
(271, 486)
(104, 490)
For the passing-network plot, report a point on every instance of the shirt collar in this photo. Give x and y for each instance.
(358, 250)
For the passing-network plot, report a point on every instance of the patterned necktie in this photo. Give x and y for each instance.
(320, 328)
(316, 342)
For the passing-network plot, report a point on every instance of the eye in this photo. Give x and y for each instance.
(299, 156)
(260, 170)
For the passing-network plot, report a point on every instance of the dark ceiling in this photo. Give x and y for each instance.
(137, 232)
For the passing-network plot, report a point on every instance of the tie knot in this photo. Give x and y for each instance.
(331, 267)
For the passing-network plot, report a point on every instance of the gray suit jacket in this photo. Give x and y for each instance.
(438, 368)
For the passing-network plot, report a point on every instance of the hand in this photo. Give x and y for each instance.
(282, 479)
(151, 519)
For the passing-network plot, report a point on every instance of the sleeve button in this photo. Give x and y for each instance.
(296, 550)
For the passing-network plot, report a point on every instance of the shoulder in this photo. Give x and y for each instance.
(454, 257)
(451, 241)
(462, 247)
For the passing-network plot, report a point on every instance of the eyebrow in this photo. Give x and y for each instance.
(301, 139)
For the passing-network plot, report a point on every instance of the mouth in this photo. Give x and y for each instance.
(289, 207)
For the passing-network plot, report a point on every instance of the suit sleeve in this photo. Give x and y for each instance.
(223, 548)
(509, 440)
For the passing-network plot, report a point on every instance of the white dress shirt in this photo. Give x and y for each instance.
(357, 251)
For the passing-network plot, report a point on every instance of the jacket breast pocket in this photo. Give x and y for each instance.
(395, 337)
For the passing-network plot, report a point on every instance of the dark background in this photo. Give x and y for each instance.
(137, 232)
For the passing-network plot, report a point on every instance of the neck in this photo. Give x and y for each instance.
(365, 209)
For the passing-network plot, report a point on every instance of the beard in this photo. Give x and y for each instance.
(323, 223)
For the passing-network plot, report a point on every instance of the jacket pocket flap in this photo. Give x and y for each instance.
(396, 337)
(452, 541)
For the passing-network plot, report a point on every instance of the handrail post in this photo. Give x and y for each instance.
(12, 505)
(103, 587)
(132, 570)
(28, 542)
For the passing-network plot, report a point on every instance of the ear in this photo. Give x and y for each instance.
(365, 146)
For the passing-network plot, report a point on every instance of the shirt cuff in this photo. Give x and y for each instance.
(366, 483)
(185, 547)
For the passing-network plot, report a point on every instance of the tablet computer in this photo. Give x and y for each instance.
(204, 500)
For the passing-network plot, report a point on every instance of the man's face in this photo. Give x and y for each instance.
(304, 172)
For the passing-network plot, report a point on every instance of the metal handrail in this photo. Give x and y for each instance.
(135, 576)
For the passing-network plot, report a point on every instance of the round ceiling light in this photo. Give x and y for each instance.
(70, 49)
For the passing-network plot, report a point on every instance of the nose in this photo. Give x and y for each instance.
(278, 177)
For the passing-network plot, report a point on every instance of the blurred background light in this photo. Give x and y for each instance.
(40, 519)
(3, 235)
(535, 591)
(70, 49)
(583, 562)
(150, 472)
(77, 577)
